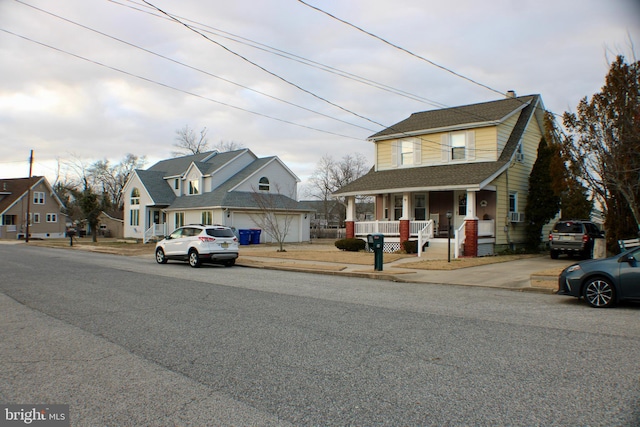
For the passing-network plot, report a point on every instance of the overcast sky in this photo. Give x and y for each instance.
(118, 77)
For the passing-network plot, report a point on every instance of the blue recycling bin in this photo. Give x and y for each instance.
(255, 236)
(245, 237)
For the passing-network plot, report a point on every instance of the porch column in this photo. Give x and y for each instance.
(404, 220)
(349, 223)
(471, 226)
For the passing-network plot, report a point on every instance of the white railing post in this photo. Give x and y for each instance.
(425, 233)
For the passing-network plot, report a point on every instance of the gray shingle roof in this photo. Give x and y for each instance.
(454, 175)
(159, 189)
(466, 115)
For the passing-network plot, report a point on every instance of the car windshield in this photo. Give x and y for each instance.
(568, 227)
(220, 232)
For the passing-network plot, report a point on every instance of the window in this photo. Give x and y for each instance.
(207, 218)
(134, 217)
(194, 186)
(36, 218)
(38, 198)
(397, 207)
(406, 152)
(8, 220)
(51, 217)
(176, 184)
(513, 201)
(135, 197)
(458, 146)
(462, 205)
(420, 207)
(263, 184)
(179, 219)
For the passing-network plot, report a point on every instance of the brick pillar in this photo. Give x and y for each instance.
(471, 237)
(404, 231)
(351, 229)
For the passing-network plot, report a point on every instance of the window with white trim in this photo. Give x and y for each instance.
(263, 184)
(406, 152)
(207, 218)
(462, 205)
(51, 217)
(458, 146)
(38, 198)
(36, 218)
(135, 197)
(134, 217)
(176, 184)
(194, 187)
(179, 219)
(513, 201)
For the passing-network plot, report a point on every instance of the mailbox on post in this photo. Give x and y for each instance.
(376, 243)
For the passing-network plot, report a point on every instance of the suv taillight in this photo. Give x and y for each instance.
(207, 239)
(551, 237)
(585, 238)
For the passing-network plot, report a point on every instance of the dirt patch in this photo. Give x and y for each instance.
(463, 262)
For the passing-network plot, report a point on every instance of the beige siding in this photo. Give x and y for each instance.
(504, 130)
(431, 148)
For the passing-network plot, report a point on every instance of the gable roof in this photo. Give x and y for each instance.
(206, 162)
(466, 116)
(13, 189)
(453, 176)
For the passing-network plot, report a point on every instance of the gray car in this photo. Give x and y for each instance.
(603, 282)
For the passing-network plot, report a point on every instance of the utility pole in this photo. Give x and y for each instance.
(29, 196)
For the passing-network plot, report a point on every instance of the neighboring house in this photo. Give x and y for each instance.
(213, 188)
(35, 196)
(472, 162)
(111, 224)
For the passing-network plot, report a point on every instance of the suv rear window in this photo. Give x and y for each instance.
(568, 227)
(220, 232)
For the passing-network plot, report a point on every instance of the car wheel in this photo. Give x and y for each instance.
(554, 254)
(599, 293)
(160, 257)
(230, 263)
(194, 258)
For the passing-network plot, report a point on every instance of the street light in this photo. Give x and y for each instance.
(449, 215)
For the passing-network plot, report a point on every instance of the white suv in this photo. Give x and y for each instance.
(198, 244)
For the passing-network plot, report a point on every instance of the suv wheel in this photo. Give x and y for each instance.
(160, 257)
(554, 254)
(229, 263)
(194, 258)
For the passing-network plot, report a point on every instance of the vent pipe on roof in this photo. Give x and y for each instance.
(511, 94)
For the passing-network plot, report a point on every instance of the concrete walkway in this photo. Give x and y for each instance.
(539, 274)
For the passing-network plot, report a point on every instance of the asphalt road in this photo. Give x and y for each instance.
(125, 341)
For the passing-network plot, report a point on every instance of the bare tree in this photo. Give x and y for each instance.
(224, 146)
(187, 142)
(275, 214)
(111, 179)
(331, 174)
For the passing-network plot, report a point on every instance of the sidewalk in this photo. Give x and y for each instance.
(537, 274)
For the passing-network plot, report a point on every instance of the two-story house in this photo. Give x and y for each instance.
(468, 166)
(30, 200)
(227, 188)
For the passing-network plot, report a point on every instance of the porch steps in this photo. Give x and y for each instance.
(437, 249)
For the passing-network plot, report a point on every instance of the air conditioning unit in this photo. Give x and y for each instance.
(516, 216)
(519, 157)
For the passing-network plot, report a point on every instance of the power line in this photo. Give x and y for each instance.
(291, 56)
(442, 67)
(264, 69)
(191, 67)
(174, 88)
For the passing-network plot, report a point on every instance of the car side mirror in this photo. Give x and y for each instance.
(628, 258)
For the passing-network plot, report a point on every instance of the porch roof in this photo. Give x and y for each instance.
(427, 178)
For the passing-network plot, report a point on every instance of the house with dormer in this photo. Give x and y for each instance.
(225, 188)
(30, 203)
(467, 167)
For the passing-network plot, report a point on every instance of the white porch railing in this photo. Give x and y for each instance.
(389, 228)
(487, 228)
(154, 231)
(425, 235)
